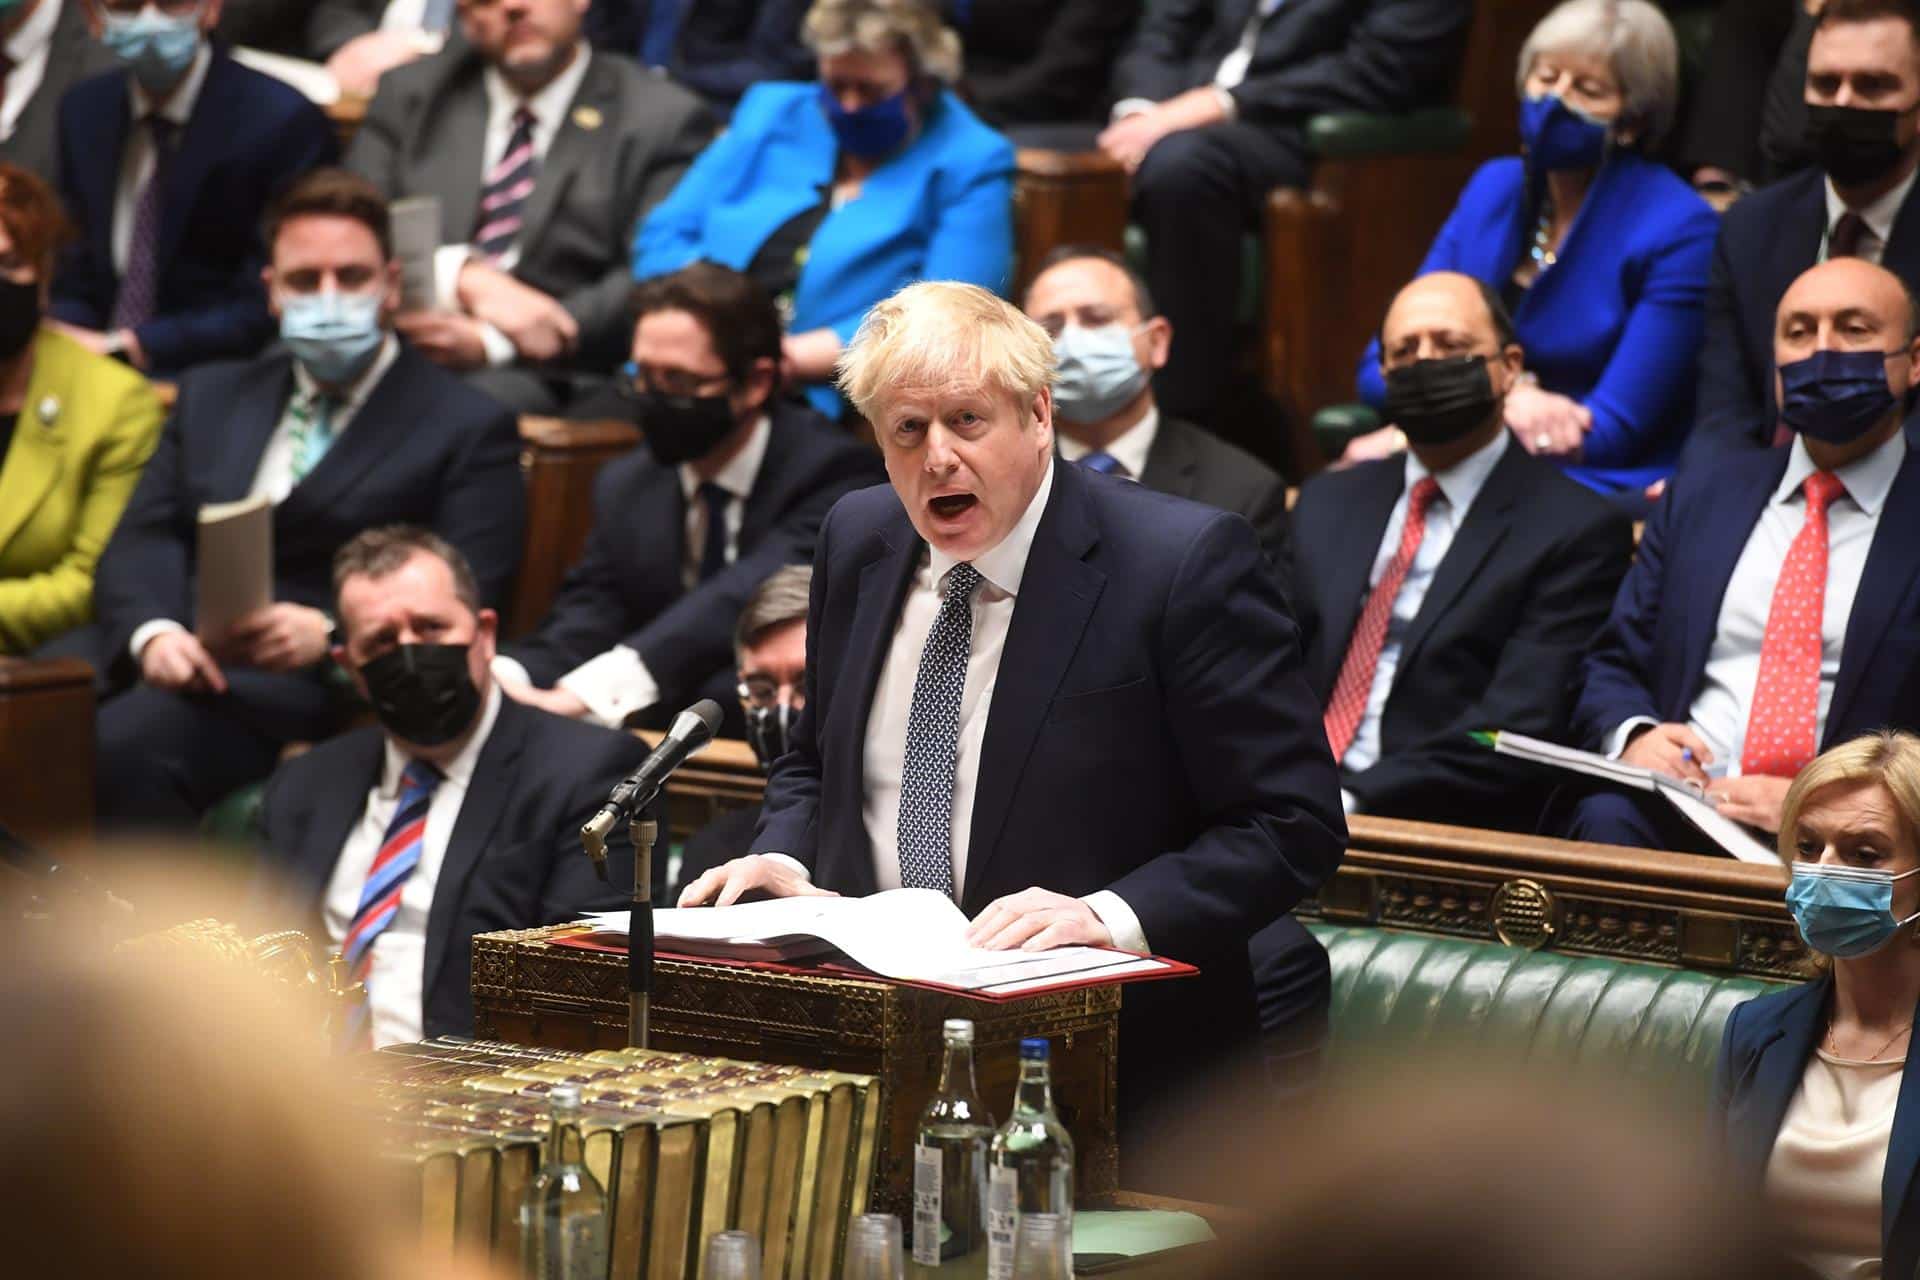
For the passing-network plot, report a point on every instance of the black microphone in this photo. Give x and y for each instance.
(692, 729)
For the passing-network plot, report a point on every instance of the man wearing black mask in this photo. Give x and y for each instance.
(1452, 589)
(459, 814)
(731, 483)
(1863, 130)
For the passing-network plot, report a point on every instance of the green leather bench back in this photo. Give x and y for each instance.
(1395, 992)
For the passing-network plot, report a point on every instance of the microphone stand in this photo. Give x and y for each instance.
(643, 829)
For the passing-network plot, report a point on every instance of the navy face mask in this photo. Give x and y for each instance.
(1836, 396)
(871, 132)
(1558, 137)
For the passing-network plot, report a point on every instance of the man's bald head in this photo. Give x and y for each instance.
(1841, 286)
(1446, 299)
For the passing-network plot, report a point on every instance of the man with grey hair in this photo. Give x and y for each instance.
(1073, 704)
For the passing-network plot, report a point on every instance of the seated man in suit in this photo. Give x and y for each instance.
(47, 48)
(1031, 68)
(167, 166)
(731, 483)
(351, 429)
(544, 156)
(1213, 96)
(770, 647)
(1771, 611)
(1071, 703)
(1863, 130)
(1109, 339)
(717, 48)
(460, 814)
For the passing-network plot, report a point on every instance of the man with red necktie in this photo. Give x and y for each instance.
(1774, 607)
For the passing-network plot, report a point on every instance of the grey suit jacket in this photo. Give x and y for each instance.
(1190, 462)
(73, 55)
(627, 138)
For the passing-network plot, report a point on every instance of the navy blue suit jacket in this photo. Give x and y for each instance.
(1650, 658)
(1766, 240)
(1764, 1052)
(423, 448)
(249, 136)
(513, 860)
(627, 589)
(1151, 733)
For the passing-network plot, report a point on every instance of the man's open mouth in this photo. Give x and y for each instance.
(949, 506)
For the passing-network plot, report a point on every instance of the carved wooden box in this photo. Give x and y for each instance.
(528, 991)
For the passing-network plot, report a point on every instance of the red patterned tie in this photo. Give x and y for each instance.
(1786, 697)
(1350, 691)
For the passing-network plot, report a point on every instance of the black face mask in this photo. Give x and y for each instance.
(681, 428)
(1439, 401)
(423, 693)
(1853, 145)
(19, 316)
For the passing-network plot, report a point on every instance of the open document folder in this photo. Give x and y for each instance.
(911, 935)
(1684, 796)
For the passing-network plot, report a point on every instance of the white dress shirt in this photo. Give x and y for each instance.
(1129, 449)
(549, 108)
(1725, 702)
(616, 684)
(273, 479)
(398, 976)
(1879, 217)
(27, 50)
(1231, 72)
(1460, 485)
(138, 160)
(1001, 570)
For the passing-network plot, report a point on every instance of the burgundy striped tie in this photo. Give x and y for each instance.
(505, 195)
(139, 292)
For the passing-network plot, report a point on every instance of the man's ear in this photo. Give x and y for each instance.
(1514, 361)
(396, 288)
(761, 380)
(1159, 337)
(1042, 415)
(266, 282)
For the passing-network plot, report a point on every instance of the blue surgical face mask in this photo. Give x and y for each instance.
(874, 130)
(1845, 911)
(1558, 137)
(1836, 396)
(1099, 372)
(334, 336)
(156, 47)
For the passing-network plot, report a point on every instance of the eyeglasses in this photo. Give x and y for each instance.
(635, 380)
(764, 691)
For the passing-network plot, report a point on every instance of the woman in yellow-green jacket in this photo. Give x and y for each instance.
(75, 430)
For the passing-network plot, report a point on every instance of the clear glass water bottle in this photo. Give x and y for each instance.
(564, 1219)
(1030, 1168)
(950, 1160)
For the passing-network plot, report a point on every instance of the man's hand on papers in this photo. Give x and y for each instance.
(1672, 749)
(723, 885)
(561, 702)
(177, 660)
(537, 325)
(1036, 919)
(280, 637)
(1754, 799)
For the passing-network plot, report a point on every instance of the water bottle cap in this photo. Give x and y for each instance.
(564, 1095)
(958, 1029)
(1034, 1048)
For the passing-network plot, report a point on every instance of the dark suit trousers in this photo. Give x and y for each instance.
(1637, 819)
(1196, 195)
(1293, 991)
(165, 758)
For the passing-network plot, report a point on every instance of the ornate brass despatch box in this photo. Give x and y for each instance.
(529, 991)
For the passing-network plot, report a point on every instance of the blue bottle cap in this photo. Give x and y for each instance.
(1034, 1047)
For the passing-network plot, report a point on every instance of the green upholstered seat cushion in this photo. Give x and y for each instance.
(1396, 992)
(231, 821)
(1343, 134)
(1336, 424)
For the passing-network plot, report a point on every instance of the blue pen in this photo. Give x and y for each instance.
(1686, 755)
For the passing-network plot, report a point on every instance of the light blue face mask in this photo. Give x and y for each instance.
(156, 47)
(1099, 373)
(334, 336)
(1845, 911)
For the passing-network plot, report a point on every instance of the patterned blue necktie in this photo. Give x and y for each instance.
(933, 740)
(1106, 464)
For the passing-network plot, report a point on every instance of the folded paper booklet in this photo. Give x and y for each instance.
(234, 567)
(1683, 796)
(910, 935)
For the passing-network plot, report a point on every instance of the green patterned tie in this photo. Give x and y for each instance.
(312, 431)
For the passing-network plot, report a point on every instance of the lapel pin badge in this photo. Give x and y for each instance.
(48, 409)
(588, 117)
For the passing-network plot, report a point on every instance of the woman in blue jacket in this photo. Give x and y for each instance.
(1600, 253)
(834, 195)
(1811, 1103)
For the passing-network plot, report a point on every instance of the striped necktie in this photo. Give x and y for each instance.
(504, 198)
(139, 292)
(387, 879)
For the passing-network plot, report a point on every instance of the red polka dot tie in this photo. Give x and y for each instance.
(1786, 698)
(1355, 682)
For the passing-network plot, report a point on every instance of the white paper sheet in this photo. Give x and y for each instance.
(233, 573)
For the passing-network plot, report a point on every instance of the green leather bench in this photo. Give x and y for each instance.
(1397, 992)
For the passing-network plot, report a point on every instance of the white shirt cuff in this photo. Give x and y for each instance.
(1617, 740)
(784, 860)
(147, 631)
(1132, 107)
(447, 261)
(614, 686)
(499, 347)
(509, 670)
(1120, 920)
(1227, 103)
(1349, 802)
